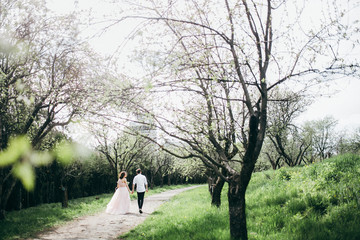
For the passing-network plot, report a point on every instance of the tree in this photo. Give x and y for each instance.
(285, 136)
(215, 185)
(158, 164)
(349, 144)
(123, 153)
(323, 136)
(43, 66)
(221, 60)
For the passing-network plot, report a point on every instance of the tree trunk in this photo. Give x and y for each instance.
(236, 198)
(210, 181)
(239, 182)
(169, 179)
(65, 200)
(161, 181)
(116, 175)
(152, 181)
(275, 164)
(6, 191)
(216, 192)
(18, 195)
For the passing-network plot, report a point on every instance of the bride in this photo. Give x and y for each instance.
(120, 202)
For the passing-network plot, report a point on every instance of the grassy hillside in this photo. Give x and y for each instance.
(318, 201)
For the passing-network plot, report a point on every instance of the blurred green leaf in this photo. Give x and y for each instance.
(64, 152)
(7, 158)
(25, 172)
(40, 158)
(17, 147)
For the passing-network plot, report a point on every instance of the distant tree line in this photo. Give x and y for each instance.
(94, 174)
(289, 143)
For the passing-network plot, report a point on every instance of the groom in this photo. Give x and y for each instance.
(141, 187)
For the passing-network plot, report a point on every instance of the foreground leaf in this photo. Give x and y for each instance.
(25, 172)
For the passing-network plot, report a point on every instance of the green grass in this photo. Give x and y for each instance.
(318, 201)
(27, 222)
(187, 216)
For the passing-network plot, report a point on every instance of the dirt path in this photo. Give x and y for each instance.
(106, 226)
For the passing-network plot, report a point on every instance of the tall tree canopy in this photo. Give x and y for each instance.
(45, 71)
(211, 72)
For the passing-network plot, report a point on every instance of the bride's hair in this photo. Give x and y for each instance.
(122, 174)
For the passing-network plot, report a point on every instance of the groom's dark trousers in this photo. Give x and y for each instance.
(140, 198)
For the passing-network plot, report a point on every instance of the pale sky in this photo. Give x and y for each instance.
(344, 105)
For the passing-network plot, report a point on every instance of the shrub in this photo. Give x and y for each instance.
(317, 203)
(295, 206)
(277, 199)
(284, 175)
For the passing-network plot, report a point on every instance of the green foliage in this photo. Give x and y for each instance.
(295, 206)
(284, 175)
(23, 158)
(317, 201)
(350, 144)
(25, 172)
(17, 148)
(64, 152)
(308, 202)
(44, 80)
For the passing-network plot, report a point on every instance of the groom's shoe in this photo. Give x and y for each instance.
(140, 211)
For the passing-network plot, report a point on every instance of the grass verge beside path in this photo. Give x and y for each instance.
(25, 223)
(320, 201)
(187, 216)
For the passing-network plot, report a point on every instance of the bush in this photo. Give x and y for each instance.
(284, 175)
(317, 203)
(295, 206)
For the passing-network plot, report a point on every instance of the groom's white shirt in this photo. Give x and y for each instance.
(140, 181)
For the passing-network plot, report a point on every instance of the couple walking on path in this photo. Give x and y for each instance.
(120, 201)
(104, 226)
